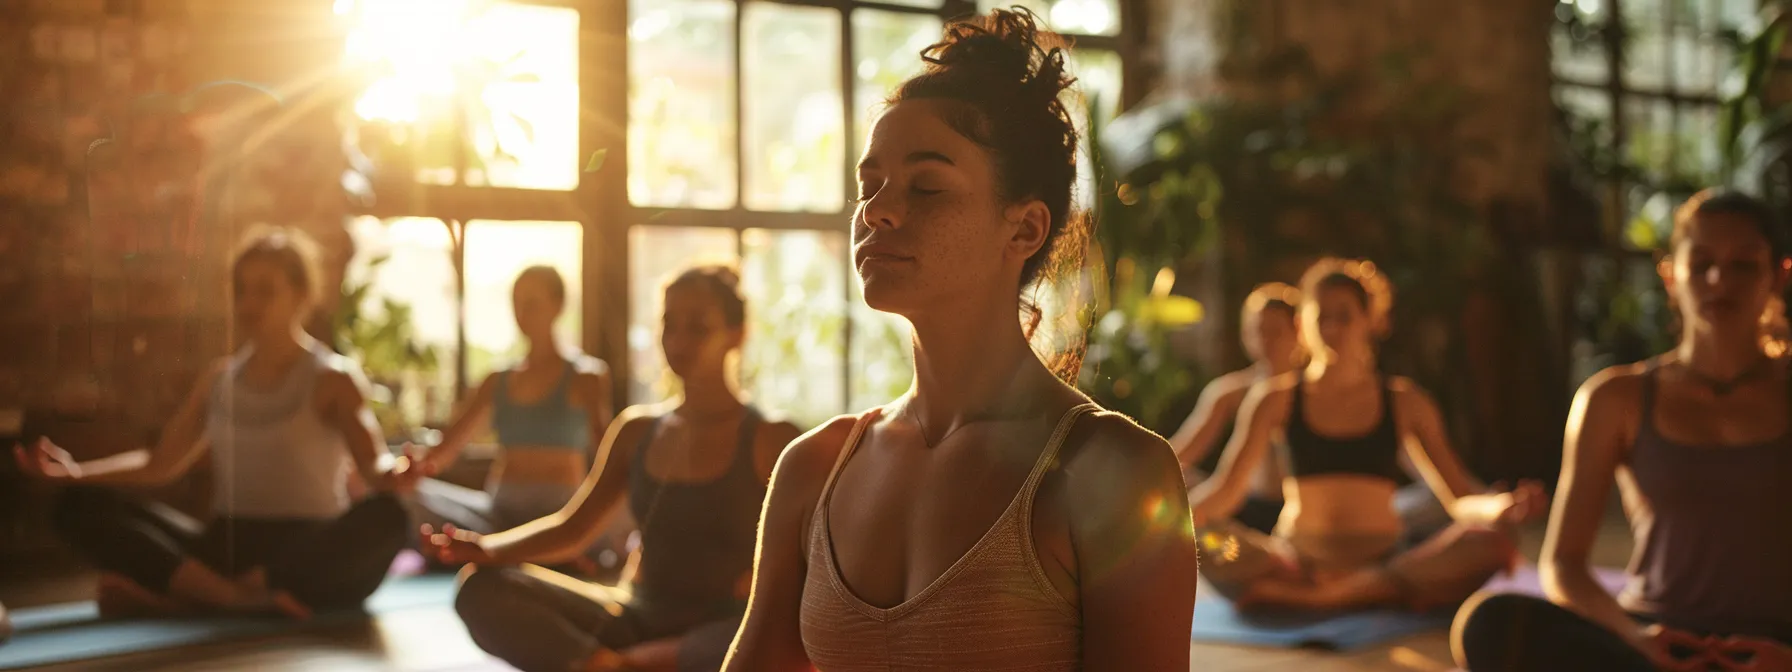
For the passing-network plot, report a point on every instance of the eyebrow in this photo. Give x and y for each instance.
(913, 158)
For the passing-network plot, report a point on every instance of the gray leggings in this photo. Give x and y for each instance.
(539, 620)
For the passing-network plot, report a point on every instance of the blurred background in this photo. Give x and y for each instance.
(1510, 165)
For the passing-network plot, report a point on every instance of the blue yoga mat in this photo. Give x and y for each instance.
(69, 632)
(1217, 621)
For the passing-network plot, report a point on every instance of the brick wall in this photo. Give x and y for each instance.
(106, 318)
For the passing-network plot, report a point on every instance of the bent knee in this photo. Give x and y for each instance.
(483, 592)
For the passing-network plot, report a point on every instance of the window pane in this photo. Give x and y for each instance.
(880, 357)
(887, 48)
(1581, 61)
(1698, 64)
(1649, 126)
(407, 299)
(656, 253)
(496, 253)
(494, 84)
(681, 126)
(1697, 152)
(795, 284)
(1098, 83)
(794, 123)
(1080, 17)
(1645, 58)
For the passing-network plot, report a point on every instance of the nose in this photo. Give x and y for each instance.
(880, 212)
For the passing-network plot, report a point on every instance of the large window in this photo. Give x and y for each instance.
(745, 119)
(465, 134)
(1639, 80)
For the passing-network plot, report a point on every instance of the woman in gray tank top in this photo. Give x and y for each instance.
(1699, 444)
(285, 423)
(694, 473)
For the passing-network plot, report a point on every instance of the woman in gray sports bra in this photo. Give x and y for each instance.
(547, 411)
(285, 424)
(1698, 443)
(693, 472)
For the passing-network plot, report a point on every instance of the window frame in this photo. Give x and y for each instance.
(1618, 93)
(599, 203)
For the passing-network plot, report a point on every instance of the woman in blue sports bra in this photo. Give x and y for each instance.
(1343, 426)
(692, 470)
(547, 412)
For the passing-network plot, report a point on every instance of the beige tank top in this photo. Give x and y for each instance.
(994, 609)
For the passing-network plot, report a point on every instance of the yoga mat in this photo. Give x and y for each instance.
(1217, 621)
(69, 632)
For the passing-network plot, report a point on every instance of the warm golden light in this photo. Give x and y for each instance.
(416, 43)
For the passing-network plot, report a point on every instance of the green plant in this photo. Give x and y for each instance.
(1358, 165)
(383, 341)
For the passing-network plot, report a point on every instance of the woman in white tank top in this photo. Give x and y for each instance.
(285, 422)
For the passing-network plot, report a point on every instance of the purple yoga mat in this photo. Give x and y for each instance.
(1526, 581)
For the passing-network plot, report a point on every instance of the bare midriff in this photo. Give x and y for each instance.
(1339, 505)
(539, 464)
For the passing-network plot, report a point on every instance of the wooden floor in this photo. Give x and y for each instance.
(432, 640)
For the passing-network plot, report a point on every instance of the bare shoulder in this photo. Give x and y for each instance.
(590, 368)
(338, 374)
(807, 459)
(1113, 470)
(1274, 391)
(1615, 388)
(635, 421)
(1111, 456)
(769, 441)
(1409, 395)
(1233, 385)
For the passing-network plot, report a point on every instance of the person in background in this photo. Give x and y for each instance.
(1340, 542)
(285, 422)
(1271, 336)
(992, 517)
(1272, 342)
(693, 471)
(1698, 442)
(548, 411)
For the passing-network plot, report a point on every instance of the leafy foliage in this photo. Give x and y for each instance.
(1362, 165)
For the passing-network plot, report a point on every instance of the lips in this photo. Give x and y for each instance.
(878, 253)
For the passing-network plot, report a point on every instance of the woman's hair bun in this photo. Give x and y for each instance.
(1008, 49)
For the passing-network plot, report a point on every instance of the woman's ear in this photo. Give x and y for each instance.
(1665, 269)
(1032, 224)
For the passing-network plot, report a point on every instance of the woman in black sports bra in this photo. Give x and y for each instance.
(693, 471)
(1338, 544)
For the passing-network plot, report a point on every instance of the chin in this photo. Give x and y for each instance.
(885, 297)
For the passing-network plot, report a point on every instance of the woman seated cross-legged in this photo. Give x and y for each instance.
(1698, 443)
(1339, 543)
(694, 474)
(286, 423)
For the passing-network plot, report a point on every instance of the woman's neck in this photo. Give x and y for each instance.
(283, 346)
(543, 352)
(1720, 355)
(972, 369)
(1333, 368)
(711, 394)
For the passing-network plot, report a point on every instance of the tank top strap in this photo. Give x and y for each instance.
(1646, 405)
(559, 396)
(852, 444)
(745, 457)
(1049, 457)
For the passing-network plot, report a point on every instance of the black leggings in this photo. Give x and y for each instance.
(324, 564)
(1509, 631)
